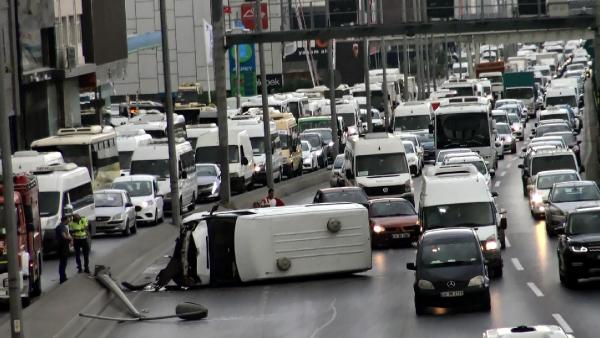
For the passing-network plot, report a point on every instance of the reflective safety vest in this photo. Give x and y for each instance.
(79, 229)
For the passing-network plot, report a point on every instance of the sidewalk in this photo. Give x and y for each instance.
(55, 314)
(591, 132)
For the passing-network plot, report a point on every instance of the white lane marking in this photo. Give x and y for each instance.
(514, 158)
(503, 173)
(562, 322)
(535, 289)
(506, 242)
(509, 165)
(497, 184)
(333, 315)
(517, 264)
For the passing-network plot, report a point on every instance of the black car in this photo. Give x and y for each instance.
(565, 197)
(450, 271)
(426, 141)
(579, 246)
(342, 194)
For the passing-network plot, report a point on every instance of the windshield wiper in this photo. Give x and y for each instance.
(454, 145)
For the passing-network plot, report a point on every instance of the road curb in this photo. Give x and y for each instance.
(55, 314)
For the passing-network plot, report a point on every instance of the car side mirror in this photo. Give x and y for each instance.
(495, 194)
(520, 166)
(524, 150)
(582, 169)
(128, 204)
(492, 173)
(411, 266)
(503, 223)
(244, 160)
(579, 142)
(184, 174)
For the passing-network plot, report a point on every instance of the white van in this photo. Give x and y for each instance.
(562, 95)
(255, 129)
(413, 117)
(127, 142)
(241, 160)
(270, 243)
(153, 159)
(377, 163)
(60, 185)
(29, 160)
(441, 207)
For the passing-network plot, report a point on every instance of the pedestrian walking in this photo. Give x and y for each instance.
(271, 201)
(78, 228)
(63, 239)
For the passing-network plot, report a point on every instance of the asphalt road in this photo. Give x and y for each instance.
(379, 303)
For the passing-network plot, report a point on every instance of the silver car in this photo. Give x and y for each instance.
(336, 179)
(208, 178)
(114, 212)
(568, 196)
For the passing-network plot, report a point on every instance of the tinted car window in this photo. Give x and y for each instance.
(450, 253)
(575, 194)
(546, 181)
(543, 163)
(459, 214)
(584, 223)
(354, 196)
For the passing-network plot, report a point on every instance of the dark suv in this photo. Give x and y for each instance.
(450, 270)
(345, 194)
(579, 246)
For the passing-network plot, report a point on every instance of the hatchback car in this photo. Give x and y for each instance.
(566, 197)
(336, 179)
(345, 194)
(542, 183)
(310, 156)
(114, 212)
(208, 178)
(392, 220)
(507, 138)
(450, 270)
(145, 196)
(578, 246)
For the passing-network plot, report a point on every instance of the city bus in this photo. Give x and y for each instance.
(92, 147)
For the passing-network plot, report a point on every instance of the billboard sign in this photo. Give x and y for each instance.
(247, 59)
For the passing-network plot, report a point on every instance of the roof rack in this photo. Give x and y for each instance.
(451, 169)
(83, 130)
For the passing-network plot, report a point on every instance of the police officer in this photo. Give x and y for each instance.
(63, 239)
(78, 228)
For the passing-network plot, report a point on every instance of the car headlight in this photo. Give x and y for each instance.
(408, 185)
(331, 143)
(144, 205)
(508, 139)
(117, 217)
(412, 159)
(490, 244)
(578, 248)
(257, 168)
(516, 127)
(536, 198)
(425, 285)
(319, 152)
(477, 281)
(378, 229)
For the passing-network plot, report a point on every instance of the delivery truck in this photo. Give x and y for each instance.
(521, 86)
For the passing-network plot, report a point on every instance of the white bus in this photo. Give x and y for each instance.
(466, 125)
(93, 147)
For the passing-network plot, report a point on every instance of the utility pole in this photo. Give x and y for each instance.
(218, 24)
(434, 63)
(331, 66)
(426, 65)
(9, 219)
(366, 15)
(16, 70)
(238, 81)
(265, 101)
(173, 170)
(384, 87)
(405, 54)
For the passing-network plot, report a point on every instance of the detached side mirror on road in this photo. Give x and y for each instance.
(411, 266)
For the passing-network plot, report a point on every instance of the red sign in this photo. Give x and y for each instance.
(249, 18)
(227, 9)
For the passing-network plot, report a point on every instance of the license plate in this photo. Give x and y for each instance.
(452, 294)
(401, 235)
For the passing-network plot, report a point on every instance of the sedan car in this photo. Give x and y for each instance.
(450, 270)
(517, 125)
(392, 220)
(319, 146)
(542, 183)
(310, 156)
(208, 178)
(442, 154)
(578, 246)
(342, 194)
(114, 212)
(145, 196)
(336, 179)
(567, 197)
(507, 138)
